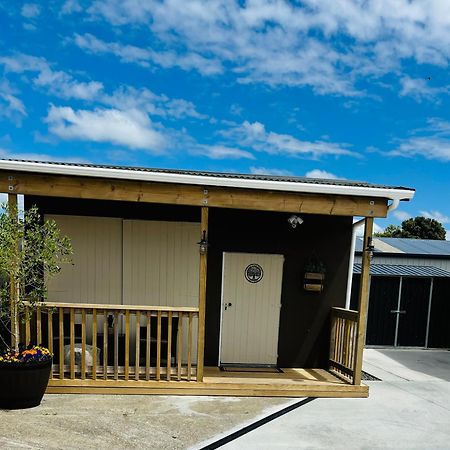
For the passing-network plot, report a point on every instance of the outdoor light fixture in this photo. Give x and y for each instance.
(370, 247)
(295, 220)
(203, 244)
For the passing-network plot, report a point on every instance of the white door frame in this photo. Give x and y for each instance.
(221, 308)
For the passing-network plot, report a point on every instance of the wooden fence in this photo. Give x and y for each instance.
(116, 342)
(343, 344)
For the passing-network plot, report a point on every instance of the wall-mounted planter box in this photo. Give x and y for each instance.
(313, 281)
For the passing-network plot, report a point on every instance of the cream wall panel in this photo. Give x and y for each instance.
(96, 273)
(161, 267)
(161, 263)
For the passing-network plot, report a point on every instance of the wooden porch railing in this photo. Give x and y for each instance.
(116, 342)
(343, 344)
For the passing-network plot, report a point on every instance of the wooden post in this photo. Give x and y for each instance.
(363, 301)
(202, 298)
(14, 288)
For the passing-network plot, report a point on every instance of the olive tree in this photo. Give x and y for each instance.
(31, 251)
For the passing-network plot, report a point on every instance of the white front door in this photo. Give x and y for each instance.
(251, 300)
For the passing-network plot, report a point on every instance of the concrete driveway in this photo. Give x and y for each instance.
(410, 409)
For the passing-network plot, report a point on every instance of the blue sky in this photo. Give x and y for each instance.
(332, 88)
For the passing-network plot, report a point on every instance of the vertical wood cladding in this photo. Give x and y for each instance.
(304, 316)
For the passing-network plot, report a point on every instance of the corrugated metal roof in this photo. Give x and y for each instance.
(423, 247)
(394, 270)
(420, 246)
(262, 177)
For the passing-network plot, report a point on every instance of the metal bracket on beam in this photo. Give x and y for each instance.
(205, 199)
(10, 185)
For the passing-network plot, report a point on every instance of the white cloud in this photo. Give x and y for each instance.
(270, 171)
(254, 135)
(401, 215)
(328, 45)
(63, 85)
(221, 152)
(128, 97)
(132, 129)
(11, 106)
(431, 142)
(147, 57)
(30, 10)
(421, 89)
(318, 173)
(56, 83)
(376, 229)
(70, 7)
(436, 215)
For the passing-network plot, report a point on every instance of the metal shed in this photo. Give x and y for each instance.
(407, 305)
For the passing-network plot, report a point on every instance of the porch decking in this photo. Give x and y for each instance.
(287, 383)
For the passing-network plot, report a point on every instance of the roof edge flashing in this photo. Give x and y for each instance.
(395, 194)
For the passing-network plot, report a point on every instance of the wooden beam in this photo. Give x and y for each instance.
(184, 194)
(363, 301)
(202, 297)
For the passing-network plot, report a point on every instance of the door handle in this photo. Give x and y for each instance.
(228, 305)
(397, 311)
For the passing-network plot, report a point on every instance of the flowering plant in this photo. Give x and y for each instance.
(27, 355)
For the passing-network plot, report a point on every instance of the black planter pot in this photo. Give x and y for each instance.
(23, 385)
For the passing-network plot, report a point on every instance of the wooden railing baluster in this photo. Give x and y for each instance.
(105, 345)
(50, 330)
(179, 344)
(127, 344)
(38, 326)
(189, 347)
(343, 343)
(161, 328)
(83, 344)
(137, 345)
(27, 326)
(72, 344)
(148, 347)
(169, 345)
(94, 344)
(116, 344)
(61, 343)
(158, 347)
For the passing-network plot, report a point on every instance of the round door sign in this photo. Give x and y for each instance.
(253, 273)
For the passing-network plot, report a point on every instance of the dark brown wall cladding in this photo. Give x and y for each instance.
(108, 208)
(304, 320)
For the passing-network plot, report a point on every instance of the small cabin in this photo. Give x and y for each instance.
(201, 283)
